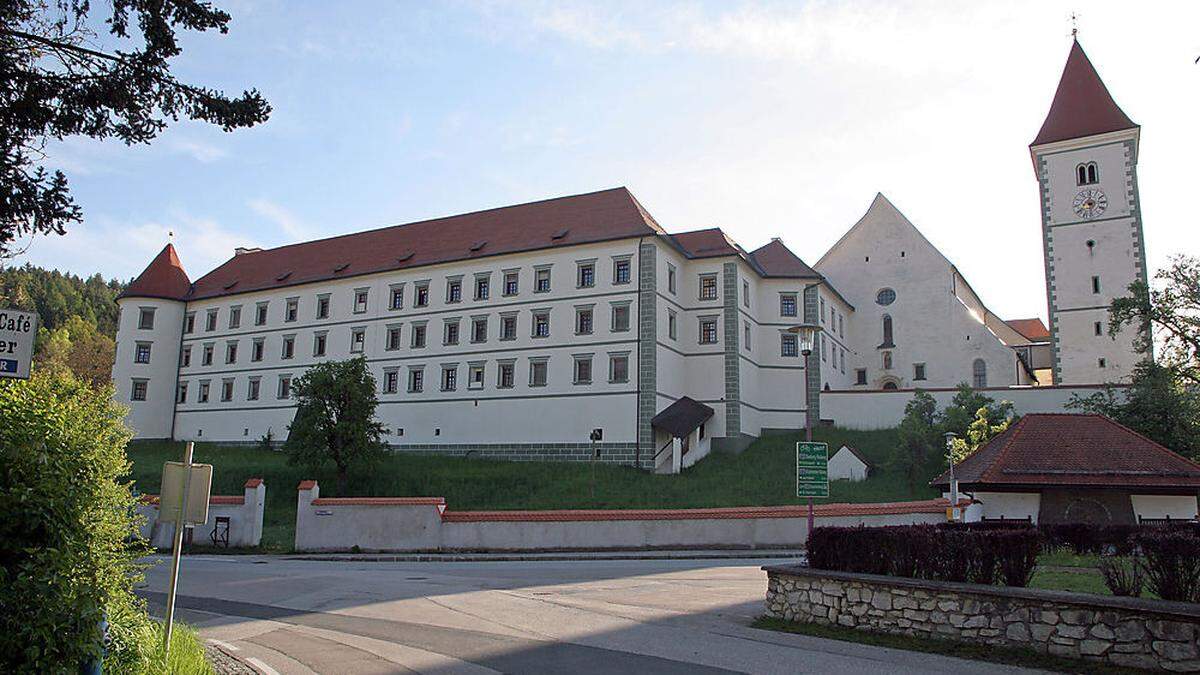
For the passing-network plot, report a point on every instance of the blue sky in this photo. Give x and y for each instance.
(767, 119)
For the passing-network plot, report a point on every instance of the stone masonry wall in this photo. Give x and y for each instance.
(1126, 632)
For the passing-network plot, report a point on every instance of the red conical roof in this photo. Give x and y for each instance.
(163, 278)
(1082, 105)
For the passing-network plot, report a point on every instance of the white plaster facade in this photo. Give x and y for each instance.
(845, 465)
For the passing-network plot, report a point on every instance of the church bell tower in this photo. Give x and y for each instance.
(1085, 157)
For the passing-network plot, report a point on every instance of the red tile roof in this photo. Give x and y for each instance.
(1082, 105)
(563, 221)
(823, 510)
(777, 260)
(163, 278)
(379, 501)
(706, 243)
(1033, 329)
(1044, 449)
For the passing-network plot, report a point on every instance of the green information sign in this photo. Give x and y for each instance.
(812, 469)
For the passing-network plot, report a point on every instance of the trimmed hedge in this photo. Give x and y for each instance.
(976, 555)
(1170, 562)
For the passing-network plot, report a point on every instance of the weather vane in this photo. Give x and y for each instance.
(1074, 25)
(171, 236)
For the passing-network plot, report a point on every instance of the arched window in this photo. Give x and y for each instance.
(1093, 174)
(887, 331)
(889, 386)
(1081, 175)
(1087, 174)
(979, 374)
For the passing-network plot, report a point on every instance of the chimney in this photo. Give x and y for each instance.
(243, 250)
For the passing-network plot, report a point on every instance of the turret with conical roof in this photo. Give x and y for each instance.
(163, 278)
(1082, 105)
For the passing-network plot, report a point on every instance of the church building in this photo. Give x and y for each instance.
(515, 332)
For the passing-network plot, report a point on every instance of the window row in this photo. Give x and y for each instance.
(582, 373)
(481, 289)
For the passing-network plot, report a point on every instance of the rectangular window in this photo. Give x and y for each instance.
(256, 352)
(418, 335)
(479, 326)
(285, 387)
(360, 300)
(185, 357)
(537, 373)
(671, 285)
(843, 354)
(141, 353)
(226, 390)
(1102, 363)
(505, 373)
(822, 310)
(708, 287)
(618, 368)
(260, 314)
(210, 321)
(587, 275)
(235, 317)
(541, 324)
(416, 380)
(397, 298)
(508, 327)
(453, 290)
(708, 331)
(138, 392)
(746, 293)
(918, 371)
(841, 325)
(291, 310)
(450, 332)
(391, 381)
(622, 271)
(449, 378)
(620, 318)
(787, 304)
(203, 393)
(788, 345)
(252, 388)
(672, 325)
(181, 396)
(860, 376)
(1095, 284)
(511, 283)
(483, 287)
(289, 347)
(475, 375)
(231, 352)
(322, 306)
(583, 370)
(206, 356)
(189, 323)
(746, 334)
(542, 280)
(421, 298)
(358, 340)
(393, 338)
(319, 343)
(824, 347)
(1099, 328)
(583, 321)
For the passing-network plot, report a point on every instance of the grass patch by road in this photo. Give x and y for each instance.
(1026, 658)
(764, 474)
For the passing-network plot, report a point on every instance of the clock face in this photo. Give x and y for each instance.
(1090, 203)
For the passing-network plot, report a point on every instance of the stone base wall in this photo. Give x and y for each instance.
(1125, 632)
(610, 453)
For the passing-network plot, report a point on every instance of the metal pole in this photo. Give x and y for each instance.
(176, 548)
(808, 431)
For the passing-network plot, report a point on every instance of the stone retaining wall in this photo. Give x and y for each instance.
(1127, 632)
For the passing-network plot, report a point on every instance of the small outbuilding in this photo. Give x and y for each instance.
(849, 464)
(1059, 468)
(679, 435)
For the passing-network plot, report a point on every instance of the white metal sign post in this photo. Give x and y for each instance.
(17, 331)
(184, 499)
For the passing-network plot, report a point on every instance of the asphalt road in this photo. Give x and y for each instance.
(643, 616)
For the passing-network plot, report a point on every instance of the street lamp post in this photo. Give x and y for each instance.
(806, 335)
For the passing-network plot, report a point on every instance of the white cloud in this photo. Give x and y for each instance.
(199, 151)
(287, 222)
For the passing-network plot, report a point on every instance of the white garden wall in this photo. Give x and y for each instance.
(245, 513)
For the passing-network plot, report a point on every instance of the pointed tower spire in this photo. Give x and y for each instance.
(163, 278)
(1082, 105)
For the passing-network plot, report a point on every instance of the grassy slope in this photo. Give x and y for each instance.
(762, 475)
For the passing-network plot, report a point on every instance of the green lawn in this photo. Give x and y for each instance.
(762, 475)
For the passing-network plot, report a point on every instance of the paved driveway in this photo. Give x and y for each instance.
(291, 616)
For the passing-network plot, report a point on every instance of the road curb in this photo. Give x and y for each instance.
(549, 557)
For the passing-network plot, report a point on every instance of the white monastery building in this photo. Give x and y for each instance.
(514, 332)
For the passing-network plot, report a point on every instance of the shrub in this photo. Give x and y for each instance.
(1171, 563)
(68, 545)
(1122, 575)
(928, 552)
